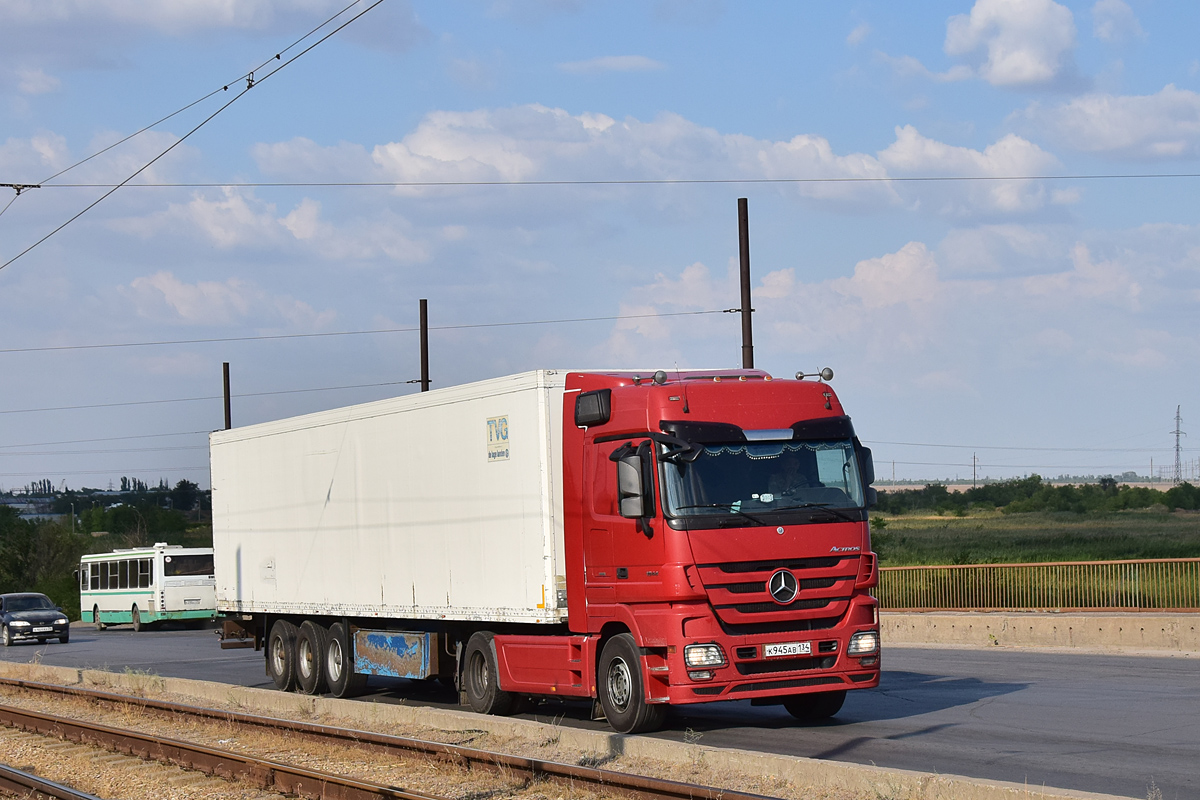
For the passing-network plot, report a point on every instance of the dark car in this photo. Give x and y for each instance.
(28, 615)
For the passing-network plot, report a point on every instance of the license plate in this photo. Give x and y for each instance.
(42, 630)
(787, 649)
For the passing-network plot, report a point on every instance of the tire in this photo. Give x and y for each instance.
(339, 663)
(281, 655)
(96, 618)
(6, 636)
(137, 620)
(819, 705)
(310, 657)
(622, 689)
(66, 637)
(481, 677)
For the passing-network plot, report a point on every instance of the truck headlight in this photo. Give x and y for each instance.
(703, 655)
(863, 643)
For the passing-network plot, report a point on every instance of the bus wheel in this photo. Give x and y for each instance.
(281, 655)
(310, 657)
(820, 705)
(137, 620)
(621, 689)
(340, 676)
(96, 618)
(481, 677)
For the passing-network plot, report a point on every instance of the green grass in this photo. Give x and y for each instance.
(989, 537)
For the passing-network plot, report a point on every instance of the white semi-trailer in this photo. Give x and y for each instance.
(638, 539)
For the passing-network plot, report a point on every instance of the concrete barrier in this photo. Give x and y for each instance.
(1160, 634)
(723, 767)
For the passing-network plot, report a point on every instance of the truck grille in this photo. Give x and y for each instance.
(744, 605)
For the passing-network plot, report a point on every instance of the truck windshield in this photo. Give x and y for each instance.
(751, 478)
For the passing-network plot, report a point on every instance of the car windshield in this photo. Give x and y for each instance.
(33, 602)
(759, 477)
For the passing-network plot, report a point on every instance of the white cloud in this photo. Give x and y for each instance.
(1103, 280)
(1015, 43)
(915, 154)
(1165, 125)
(162, 297)
(856, 36)
(612, 64)
(31, 80)
(536, 143)
(1114, 21)
(907, 66)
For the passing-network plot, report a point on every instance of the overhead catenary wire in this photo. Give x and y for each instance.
(199, 399)
(251, 82)
(278, 336)
(177, 112)
(348, 184)
(103, 439)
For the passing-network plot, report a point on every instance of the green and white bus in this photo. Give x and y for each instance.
(146, 585)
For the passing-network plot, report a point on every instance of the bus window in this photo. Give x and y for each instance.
(123, 574)
(83, 577)
(94, 576)
(188, 565)
(145, 573)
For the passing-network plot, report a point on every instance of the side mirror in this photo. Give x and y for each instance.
(630, 491)
(867, 464)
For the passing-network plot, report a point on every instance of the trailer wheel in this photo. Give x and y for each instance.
(622, 690)
(820, 705)
(481, 677)
(281, 655)
(310, 657)
(96, 618)
(340, 676)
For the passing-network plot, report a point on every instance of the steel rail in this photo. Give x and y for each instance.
(266, 774)
(28, 785)
(636, 786)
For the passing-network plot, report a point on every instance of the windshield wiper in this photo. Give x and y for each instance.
(728, 507)
(823, 506)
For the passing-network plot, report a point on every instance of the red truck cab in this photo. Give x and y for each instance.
(717, 543)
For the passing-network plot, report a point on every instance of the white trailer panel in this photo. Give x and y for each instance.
(440, 505)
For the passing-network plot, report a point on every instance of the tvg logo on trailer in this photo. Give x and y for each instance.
(497, 439)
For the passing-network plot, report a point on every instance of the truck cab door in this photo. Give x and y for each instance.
(623, 556)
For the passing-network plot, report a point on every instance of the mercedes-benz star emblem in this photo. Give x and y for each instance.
(783, 587)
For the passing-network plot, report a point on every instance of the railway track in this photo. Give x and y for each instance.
(27, 785)
(292, 779)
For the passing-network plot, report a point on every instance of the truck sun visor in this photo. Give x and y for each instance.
(827, 428)
(593, 408)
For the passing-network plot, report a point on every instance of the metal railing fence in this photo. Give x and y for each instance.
(1168, 584)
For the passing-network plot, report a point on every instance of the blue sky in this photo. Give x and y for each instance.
(1047, 325)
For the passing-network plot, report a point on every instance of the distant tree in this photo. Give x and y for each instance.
(184, 495)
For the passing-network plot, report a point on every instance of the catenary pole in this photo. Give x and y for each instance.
(744, 251)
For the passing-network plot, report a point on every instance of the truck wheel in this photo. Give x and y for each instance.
(340, 676)
(310, 657)
(820, 705)
(481, 677)
(281, 655)
(96, 618)
(137, 620)
(622, 690)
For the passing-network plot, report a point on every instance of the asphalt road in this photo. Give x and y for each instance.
(1100, 723)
